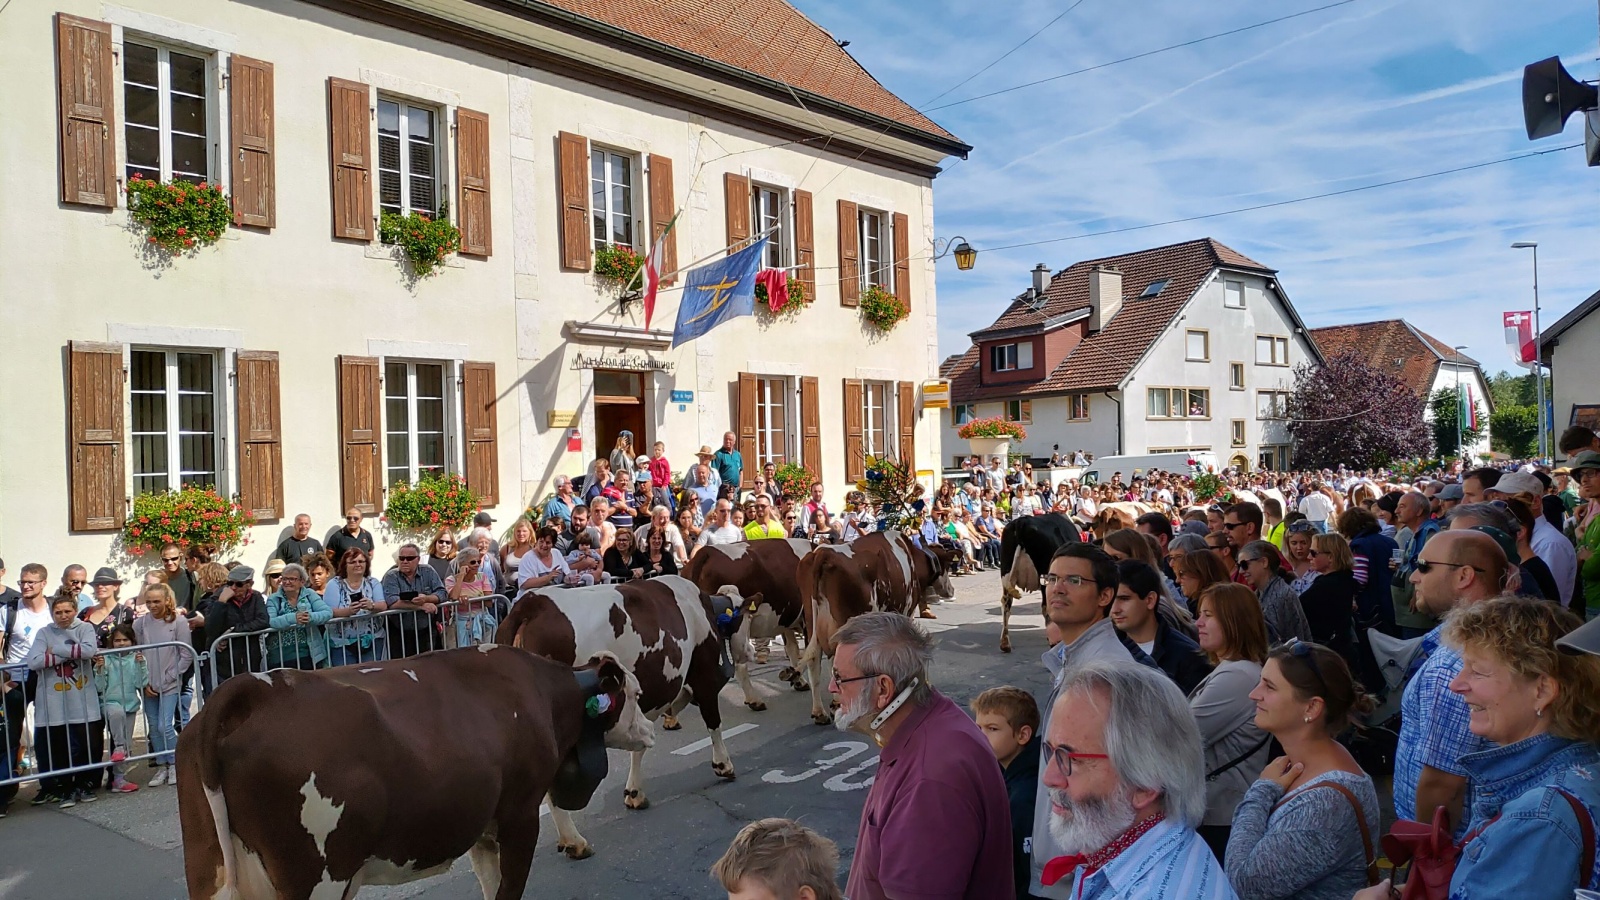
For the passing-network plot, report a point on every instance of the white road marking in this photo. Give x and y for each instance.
(703, 743)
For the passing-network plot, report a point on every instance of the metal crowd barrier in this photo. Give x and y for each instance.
(365, 637)
(72, 756)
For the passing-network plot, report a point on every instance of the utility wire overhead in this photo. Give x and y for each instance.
(1001, 58)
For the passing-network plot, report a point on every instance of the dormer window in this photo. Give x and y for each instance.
(1010, 357)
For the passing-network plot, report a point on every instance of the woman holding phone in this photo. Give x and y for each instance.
(355, 594)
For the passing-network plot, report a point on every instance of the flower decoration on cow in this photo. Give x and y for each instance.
(890, 487)
(1209, 486)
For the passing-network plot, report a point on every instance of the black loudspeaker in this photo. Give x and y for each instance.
(1549, 95)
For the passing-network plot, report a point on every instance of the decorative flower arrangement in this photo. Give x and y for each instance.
(890, 487)
(425, 240)
(617, 264)
(435, 501)
(794, 480)
(1210, 486)
(187, 517)
(992, 428)
(178, 216)
(882, 309)
(797, 300)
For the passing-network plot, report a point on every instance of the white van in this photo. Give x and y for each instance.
(1102, 468)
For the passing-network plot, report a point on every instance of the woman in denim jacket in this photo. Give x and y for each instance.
(1539, 706)
(355, 597)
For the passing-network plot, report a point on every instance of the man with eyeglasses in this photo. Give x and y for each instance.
(173, 574)
(1121, 815)
(298, 545)
(937, 820)
(239, 610)
(351, 535)
(1078, 593)
(415, 587)
(1455, 569)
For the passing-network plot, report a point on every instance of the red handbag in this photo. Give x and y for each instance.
(1433, 853)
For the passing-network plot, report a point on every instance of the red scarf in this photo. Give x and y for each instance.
(1062, 866)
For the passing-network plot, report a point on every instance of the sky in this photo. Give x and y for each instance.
(1366, 92)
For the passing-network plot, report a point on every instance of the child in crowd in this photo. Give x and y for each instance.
(584, 561)
(121, 679)
(779, 859)
(66, 713)
(660, 469)
(1009, 718)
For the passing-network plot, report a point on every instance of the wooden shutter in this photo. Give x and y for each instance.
(902, 258)
(855, 467)
(907, 420)
(349, 117)
(736, 191)
(260, 434)
(94, 430)
(250, 117)
(479, 423)
(472, 170)
(747, 426)
(361, 462)
(849, 254)
(663, 204)
(810, 427)
(805, 245)
(85, 93)
(572, 169)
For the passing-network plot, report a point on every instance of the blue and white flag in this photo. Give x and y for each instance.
(715, 293)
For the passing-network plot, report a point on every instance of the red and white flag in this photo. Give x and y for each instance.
(652, 272)
(1519, 337)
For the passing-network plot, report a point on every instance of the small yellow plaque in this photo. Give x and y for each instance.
(562, 418)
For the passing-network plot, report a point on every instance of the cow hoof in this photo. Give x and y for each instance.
(799, 684)
(1005, 645)
(576, 851)
(724, 770)
(635, 799)
(670, 723)
(822, 718)
(762, 656)
(788, 673)
(756, 705)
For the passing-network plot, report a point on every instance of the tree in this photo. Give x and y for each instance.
(1515, 389)
(1450, 434)
(1514, 430)
(1348, 412)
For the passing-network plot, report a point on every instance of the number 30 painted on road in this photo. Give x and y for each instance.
(840, 782)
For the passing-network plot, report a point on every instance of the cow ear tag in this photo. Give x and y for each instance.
(597, 705)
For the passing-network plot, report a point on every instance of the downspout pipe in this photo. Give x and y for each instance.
(1113, 399)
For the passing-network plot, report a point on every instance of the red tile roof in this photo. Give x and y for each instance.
(1393, 346)
(1102, 360)
(769, 38)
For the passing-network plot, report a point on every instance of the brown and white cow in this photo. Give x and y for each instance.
(662, 630)
(881, 571)
(1119, 515)
(299, 785)
(763, 572)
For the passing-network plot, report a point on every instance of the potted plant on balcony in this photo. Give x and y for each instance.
(178, 216)
(882, 309)
(190, 516)
(425, 241)
(991, 436)
(436, 501)
(616, 265)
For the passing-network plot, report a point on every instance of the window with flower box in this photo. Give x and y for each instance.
(175, 407)
(167, 96)
(408, 158)
(416, 424)
(611, 184)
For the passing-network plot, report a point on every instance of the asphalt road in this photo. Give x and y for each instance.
(129, 846)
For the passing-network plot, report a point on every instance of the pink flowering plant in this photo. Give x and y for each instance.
(617, 264)
(178, 216)
(437, 500)
(191, 516)
(425, 240)
(992, 428)
(882, 309)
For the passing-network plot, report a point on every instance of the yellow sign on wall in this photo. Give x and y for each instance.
(936, 394)
(561, 418)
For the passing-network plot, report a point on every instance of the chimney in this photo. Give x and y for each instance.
(1105, 296)
(1041, 279)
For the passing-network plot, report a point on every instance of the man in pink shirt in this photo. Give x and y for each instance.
(937, 822)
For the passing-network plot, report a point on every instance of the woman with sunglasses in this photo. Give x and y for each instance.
(1329, 601)
(1307, 827)
(1233, 635)
(442, 552)
(1263, 569)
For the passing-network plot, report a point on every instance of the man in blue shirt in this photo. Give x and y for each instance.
(728, 462)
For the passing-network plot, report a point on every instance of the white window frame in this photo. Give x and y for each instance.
(612, 156)
(885, 418)
(1205, 345)
(1275, 344)
(164, 49)
(1236, 433)
(874, 229)
(220, 383)
(448, 384)
(1178, 411)
(405, 107)
(775, 392)
(962, 413)
(1279, 401)
(780, 241)
(1231, 289)
(1011, 357)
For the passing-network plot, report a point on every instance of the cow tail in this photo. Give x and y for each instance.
(1008, 549)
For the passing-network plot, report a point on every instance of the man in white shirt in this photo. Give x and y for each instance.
(719, 527)
(1316, 507)
(19, 626)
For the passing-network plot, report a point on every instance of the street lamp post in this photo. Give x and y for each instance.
(1461, 450)
(1538, 348)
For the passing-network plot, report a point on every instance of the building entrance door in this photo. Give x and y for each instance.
(619, 406)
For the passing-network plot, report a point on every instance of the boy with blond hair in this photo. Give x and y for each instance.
(779, 859)
(1009, 718)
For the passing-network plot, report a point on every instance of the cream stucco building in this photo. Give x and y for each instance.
(296, 363)
(1568, 348)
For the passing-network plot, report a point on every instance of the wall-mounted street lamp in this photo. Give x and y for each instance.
(966, 254)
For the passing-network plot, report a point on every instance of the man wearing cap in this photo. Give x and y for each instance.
(351, 535)
(1549, 544)
(239, 609)
(1449, 497)
(298, 544)
(561, 505)
(484, 523)
(1586, 470)
(728, 462)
